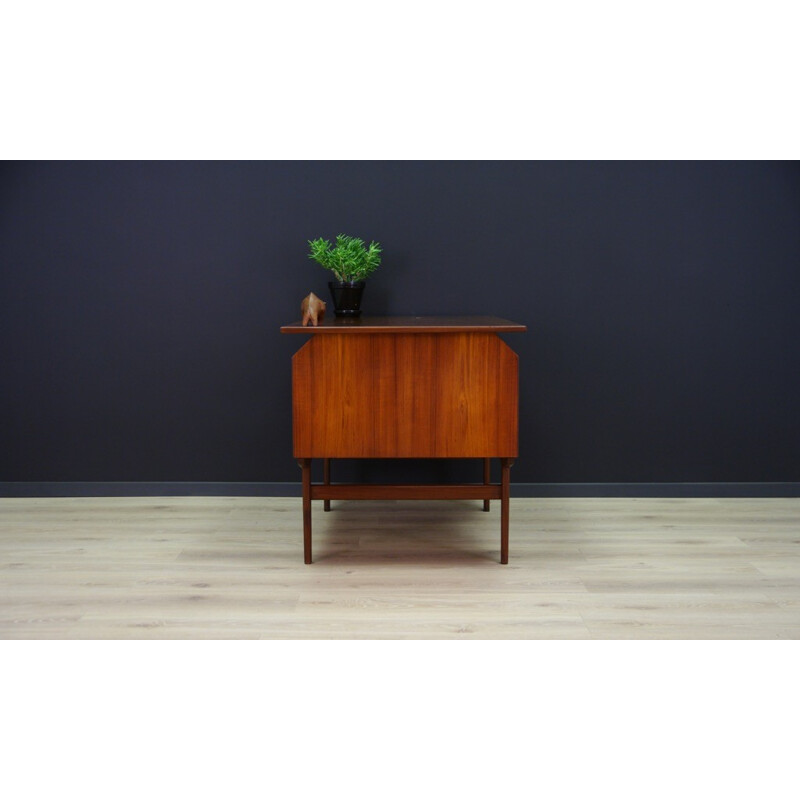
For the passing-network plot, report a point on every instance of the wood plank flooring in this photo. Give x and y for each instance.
(232, 567)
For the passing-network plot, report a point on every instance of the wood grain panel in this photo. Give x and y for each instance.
(420, 395)
(413, 411)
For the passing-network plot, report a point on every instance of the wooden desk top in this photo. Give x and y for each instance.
(408, 325)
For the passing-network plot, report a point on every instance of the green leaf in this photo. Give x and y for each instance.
(349, 258)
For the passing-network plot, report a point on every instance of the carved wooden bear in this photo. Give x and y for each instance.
(313, 309)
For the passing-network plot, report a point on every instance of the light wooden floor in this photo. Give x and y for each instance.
(215, 568)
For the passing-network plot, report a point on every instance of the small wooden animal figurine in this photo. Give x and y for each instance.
(313, 309)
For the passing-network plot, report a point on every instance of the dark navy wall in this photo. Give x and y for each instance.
(140, 304)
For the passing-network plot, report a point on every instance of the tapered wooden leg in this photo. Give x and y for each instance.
(305, 465)
(505, 494)
(326, 479)
(486, 476)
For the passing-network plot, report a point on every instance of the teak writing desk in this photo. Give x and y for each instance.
(405, 387)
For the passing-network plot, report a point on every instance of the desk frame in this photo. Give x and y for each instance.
(408, 387)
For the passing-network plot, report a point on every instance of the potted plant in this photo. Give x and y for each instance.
(351, 261)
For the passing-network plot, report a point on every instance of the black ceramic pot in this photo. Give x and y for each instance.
(347, 297)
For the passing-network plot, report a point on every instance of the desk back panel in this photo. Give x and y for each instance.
(405, 395)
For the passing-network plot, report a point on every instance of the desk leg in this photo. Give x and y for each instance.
(505, 493)
(305, 465)
(487, 472)
(326, 479)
